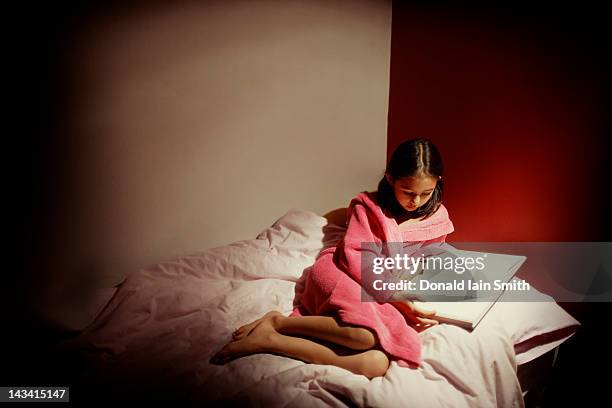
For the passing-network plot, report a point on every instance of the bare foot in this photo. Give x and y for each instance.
(257, 341)
(244, 331)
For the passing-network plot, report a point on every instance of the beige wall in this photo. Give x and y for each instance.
(192, 126)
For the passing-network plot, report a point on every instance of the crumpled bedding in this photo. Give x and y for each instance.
(165, 322)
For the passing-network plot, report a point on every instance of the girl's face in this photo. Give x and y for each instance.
(413, 192)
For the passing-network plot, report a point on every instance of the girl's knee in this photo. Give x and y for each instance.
(375, 363)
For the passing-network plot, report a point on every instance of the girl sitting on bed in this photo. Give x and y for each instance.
(331, 324)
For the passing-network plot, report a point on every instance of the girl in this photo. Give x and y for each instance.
(331, 324)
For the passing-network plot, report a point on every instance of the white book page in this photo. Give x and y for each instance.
(468, 313)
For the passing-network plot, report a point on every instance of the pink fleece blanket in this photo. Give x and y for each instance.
(333, 284)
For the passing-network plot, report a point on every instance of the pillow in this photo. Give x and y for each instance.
(535, 327)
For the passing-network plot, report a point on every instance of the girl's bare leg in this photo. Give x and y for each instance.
(264, 338)
(276, 335)
(320, 327)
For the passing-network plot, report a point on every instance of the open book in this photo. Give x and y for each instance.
(482, 287)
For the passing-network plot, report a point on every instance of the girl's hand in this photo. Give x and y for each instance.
(417, 316)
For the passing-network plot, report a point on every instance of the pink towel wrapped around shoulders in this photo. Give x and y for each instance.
(332, 285)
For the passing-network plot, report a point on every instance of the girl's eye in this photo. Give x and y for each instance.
(423, 195)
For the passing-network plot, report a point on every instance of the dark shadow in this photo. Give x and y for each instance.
(337, 217)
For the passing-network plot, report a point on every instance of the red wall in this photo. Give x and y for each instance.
(517, 113)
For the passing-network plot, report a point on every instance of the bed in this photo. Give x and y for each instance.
(162, 324)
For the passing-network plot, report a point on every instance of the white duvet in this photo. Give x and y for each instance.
(166, 321)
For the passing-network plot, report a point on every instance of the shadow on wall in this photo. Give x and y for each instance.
(337, 216)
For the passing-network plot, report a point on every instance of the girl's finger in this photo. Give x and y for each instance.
(414, 319)
(427, 321)
(427, 312)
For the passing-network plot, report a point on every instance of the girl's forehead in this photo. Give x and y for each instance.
(419, 182)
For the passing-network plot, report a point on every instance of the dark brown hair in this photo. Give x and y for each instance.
(414, 157)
